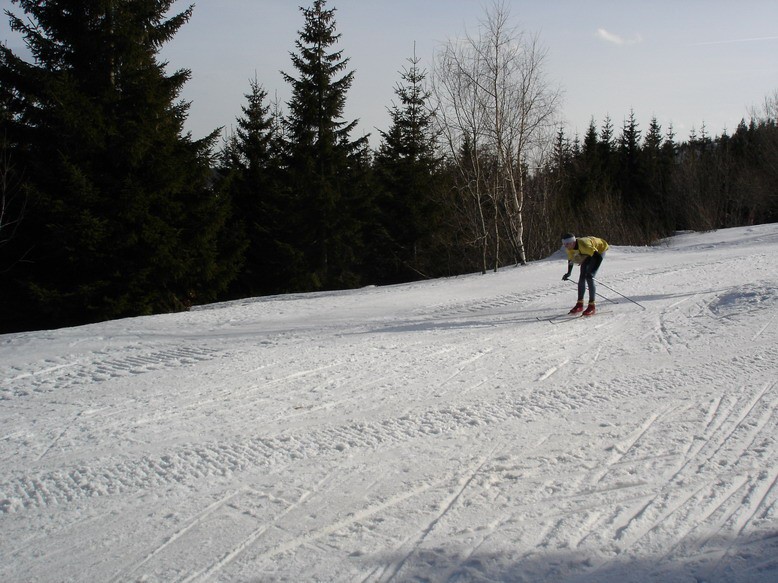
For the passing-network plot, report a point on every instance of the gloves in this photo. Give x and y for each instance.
(565, 277)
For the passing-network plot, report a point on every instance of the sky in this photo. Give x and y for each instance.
(687, 63)
(442, 431)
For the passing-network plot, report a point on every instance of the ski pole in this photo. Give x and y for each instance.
(598, 293)
(621, 294)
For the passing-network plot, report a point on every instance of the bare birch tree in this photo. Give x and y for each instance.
(459, 115)
(495, 105)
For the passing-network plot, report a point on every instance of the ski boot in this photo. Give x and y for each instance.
(589, 311)
(577, 308)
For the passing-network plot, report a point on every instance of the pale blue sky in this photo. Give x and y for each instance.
(684, 61)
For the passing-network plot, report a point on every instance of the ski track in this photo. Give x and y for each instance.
(190, 463)
(393, 571)
(245, 543)
(676, 502)
(682, 481)
(196, 521)
(58, 375)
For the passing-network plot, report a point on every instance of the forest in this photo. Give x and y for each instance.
(109, 209)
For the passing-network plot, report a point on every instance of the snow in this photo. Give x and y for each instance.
(435, 431)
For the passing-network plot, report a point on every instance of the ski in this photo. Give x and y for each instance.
(565, 318)
(560, 318)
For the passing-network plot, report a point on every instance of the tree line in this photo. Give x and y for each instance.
(636, 189)
(109, 209)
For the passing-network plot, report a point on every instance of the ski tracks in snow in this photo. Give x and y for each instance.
(628, 491)
(694, 497)
(444, 443)
(72, 372)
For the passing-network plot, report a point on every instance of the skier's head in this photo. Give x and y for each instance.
(568, 239)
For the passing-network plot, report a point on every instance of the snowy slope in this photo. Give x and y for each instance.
(435, 431)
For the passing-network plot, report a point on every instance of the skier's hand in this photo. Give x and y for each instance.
(565, 277)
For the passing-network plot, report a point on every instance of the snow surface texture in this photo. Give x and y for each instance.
(434, 431)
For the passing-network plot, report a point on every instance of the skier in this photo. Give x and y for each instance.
(588, 252)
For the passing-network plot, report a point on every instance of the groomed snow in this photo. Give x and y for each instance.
(435, 431)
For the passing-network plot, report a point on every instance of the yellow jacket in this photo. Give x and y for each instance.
(585, 247)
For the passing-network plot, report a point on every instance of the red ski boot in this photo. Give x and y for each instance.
(589, 311)
(577, 308)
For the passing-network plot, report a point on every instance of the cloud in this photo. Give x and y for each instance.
(616, 39)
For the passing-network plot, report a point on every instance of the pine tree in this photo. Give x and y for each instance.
(325, 166)
(406, 167)
(652, 158)
(606, 139)
(657, 161)
(590, 141)
(591, 171)
(122, 219)
(564, 168)
(653, 141)
(630, 179)
(251, 169)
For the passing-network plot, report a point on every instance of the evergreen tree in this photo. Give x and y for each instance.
(669, 147)
(606, 141)
(630, 179)
(657, 161)
(564, 169)
(325, 166)
(653, 141)
(251, 169)
(122, 219)
(652, 162)
(591, 140)
(590, 166)
(405, 167)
